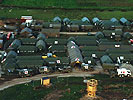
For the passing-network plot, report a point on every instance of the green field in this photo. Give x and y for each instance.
(98, 4)
(110, 89)
(48, 15)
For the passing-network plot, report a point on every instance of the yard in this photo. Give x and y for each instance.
(48, 15)
(92, 4)
(70, 89)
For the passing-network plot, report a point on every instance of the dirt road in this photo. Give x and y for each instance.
(38, 77)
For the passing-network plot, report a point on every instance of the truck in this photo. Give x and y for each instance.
(123, 72)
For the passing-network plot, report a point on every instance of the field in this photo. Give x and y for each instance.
(93, 4)
(70, 89)
(48, 15)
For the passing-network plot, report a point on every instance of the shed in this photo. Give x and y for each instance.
(28, 41)
(57, 19)
(25, 32)
(106, 59)
(27, 49)
(99, 35)
(11, 54)
(41, 45)
(41, 37)
(51, 32)
(127, 35)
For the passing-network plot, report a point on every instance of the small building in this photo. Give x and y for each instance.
(127, 35)
(26, 49)
(99, 35)
(11, 54)
(25, 32)
(66, 21)
(28, 41)
(15, 44)
(41, 45)
(51, 32)
(45, 81)
(41, 37)
(57, 19)
(56, 41)
(74, 53)
(106, 59)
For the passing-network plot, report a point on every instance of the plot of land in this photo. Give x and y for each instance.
(70, 89)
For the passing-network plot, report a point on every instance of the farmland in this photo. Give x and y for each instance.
(69, 89)
(92, 4)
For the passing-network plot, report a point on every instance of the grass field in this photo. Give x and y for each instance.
(98, 4)
(110, 89)
(72, 14)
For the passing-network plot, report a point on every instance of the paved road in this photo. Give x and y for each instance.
(38, 77)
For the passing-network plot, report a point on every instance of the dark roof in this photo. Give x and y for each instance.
(28, 30)
(41, 45)
(57, 19)
(56, 41)
(74, 52)
(27, 41)
(11, 54)
(27, 49)
(15, 44)
(89, 48)
(106, 59)
(127, 35)
(41, 37)
(28, 57)
(57, 48)
(91, 53)
(99, 35)
(84, 42)
(108, 33)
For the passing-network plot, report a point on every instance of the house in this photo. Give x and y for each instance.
(25, 32)
(51, 32)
